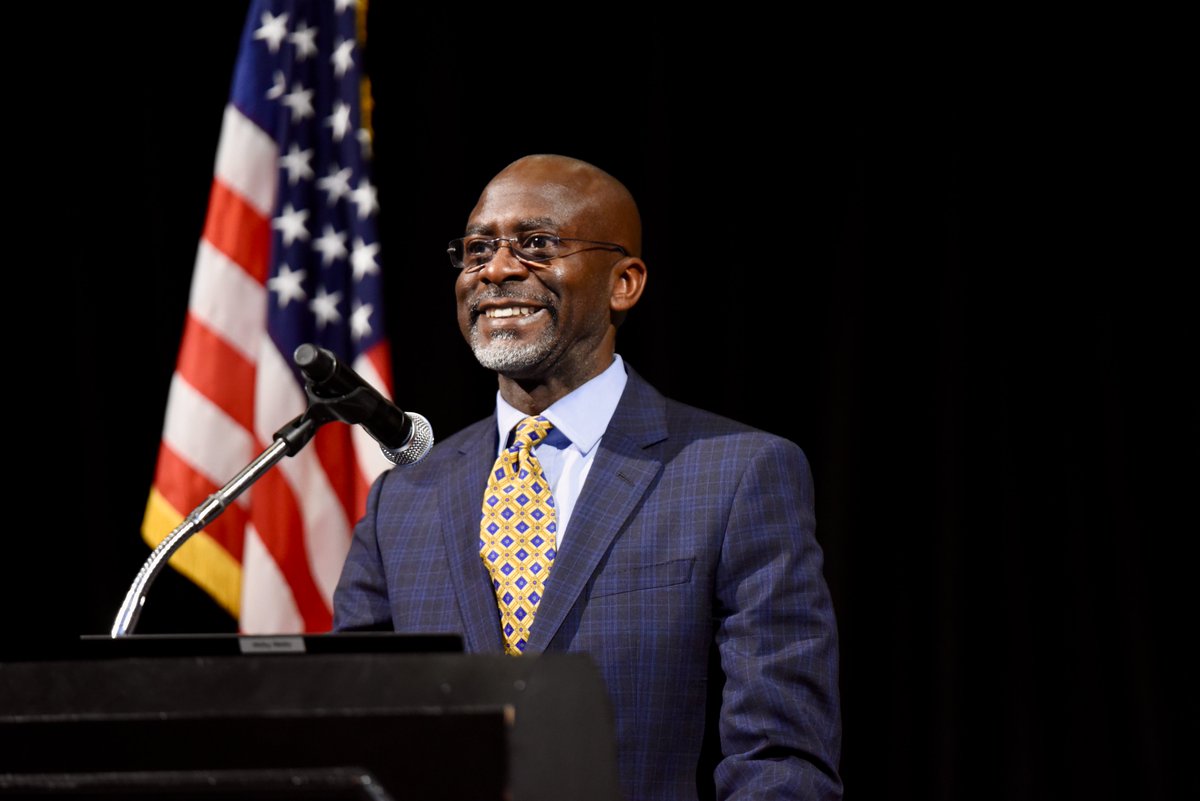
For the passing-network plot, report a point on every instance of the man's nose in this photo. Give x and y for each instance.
(504, 265)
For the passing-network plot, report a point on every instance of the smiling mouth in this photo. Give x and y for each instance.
(505, 307)
(509, 311)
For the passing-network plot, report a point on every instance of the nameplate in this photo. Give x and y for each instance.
(271, 645)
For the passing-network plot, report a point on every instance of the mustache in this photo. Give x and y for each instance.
(502, 292)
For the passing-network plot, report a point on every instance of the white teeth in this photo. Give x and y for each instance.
(509, 311)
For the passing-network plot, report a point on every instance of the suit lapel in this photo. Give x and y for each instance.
(622, 473)
(460, 496)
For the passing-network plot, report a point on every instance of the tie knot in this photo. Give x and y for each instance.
(531, 431)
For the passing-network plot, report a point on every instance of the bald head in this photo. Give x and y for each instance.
(585, 197)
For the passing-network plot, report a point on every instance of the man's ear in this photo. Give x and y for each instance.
(629, 280)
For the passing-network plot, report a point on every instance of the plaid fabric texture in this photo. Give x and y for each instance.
(693, 579)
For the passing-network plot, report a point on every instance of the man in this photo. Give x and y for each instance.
(674, 546)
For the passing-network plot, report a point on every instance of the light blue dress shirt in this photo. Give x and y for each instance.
(569, 449)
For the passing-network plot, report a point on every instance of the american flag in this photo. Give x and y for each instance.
(289, 254)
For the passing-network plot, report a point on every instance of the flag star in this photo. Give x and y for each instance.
(278, 87)
(364, 142)
(363, 259)
(273, 30)
(360, 320)
(342, 5)
(296, 164)
(324, 306)
(299, 100)
(291, 223)
(366, 198)
(339, 120)
(305, 40)
(331, 245)
(288, 284)
(337, 183)
(343, 57)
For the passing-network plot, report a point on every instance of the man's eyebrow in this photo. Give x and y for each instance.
(529, 224)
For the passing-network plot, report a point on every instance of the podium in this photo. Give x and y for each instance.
(266, 725)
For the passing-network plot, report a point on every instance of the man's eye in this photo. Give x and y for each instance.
(539, 242)
(476, 247)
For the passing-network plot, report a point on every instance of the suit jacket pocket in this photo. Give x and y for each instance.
(643, 577)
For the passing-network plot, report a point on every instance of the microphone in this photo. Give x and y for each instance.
(404, 437)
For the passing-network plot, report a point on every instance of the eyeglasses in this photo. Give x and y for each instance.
(472, 253)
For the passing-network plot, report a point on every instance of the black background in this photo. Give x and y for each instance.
(947, 271)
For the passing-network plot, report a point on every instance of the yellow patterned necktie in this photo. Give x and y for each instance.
(516, 533)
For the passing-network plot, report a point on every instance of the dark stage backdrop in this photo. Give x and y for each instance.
(949, 286)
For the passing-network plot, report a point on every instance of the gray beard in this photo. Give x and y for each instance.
(503, 355)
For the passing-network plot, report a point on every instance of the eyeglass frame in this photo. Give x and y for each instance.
(513, 241)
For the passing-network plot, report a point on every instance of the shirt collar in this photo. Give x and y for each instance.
(581, 416)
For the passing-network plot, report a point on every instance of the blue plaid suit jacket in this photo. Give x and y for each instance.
(691, 575)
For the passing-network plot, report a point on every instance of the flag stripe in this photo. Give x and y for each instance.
(238, 231)
(219, 372)
(275, 518)
(204, 436)
(333, 449)
(247, 161)
(278, 397)
(267, 602)
(227, 300)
